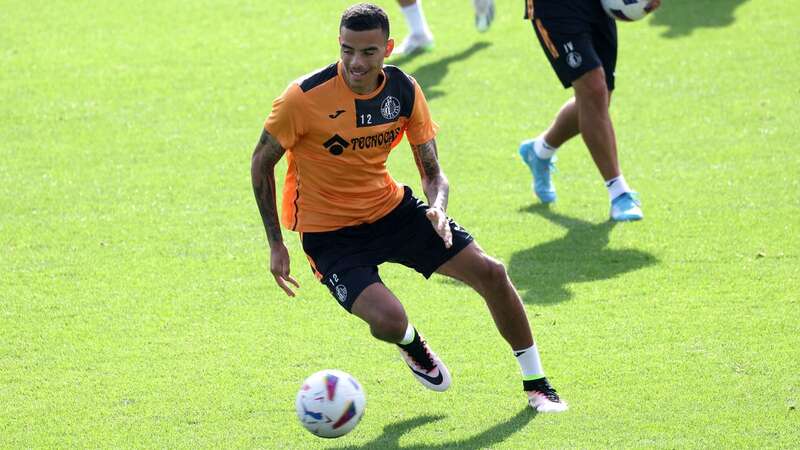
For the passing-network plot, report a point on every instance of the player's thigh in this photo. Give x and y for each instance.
(591, 84)
(604, 39)
(346, 285)
(474, 267)
(569, 47)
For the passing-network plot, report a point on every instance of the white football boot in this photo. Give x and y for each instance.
(484, 14)
(427, 368)
(543, 398)
(414, 43)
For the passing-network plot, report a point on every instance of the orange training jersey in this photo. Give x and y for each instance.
(337, 143)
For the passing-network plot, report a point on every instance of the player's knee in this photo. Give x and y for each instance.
(389, 327)
(494, 272)
(592, 87)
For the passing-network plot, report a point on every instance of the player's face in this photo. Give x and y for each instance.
(362, 55)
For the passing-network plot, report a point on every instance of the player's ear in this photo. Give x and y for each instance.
(389, 48)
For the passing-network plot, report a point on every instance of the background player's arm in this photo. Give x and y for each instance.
(262, 171)
(435, 186)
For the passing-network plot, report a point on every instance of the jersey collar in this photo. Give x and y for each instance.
(340, 69)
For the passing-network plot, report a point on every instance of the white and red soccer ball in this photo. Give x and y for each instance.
(330, 403)
(628, 10)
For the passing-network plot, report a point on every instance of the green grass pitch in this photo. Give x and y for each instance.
(136, 306)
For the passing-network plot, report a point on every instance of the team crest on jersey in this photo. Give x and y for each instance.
(390, 108)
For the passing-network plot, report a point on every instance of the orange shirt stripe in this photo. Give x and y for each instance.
(546, 38)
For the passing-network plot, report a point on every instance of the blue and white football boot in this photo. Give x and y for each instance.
(540, 169)
(626, 207)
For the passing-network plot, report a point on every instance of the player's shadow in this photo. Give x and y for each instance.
(682, 17)
(546, 270)
(390, 439)
(431, 74)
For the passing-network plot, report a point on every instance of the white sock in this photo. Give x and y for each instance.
(616, 187)
(409, 335)
(529, 363)
(416, 19)
(544, 150)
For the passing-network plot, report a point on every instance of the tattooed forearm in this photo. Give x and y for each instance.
(262, 171)
(434, 181)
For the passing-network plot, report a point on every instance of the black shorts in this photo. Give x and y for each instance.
(577, 36)
(346, 260)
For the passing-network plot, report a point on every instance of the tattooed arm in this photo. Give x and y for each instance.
(262, 171)
(434, 181)
(436, 187)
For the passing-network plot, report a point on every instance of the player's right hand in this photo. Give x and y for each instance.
(441, 224)
(279, 266)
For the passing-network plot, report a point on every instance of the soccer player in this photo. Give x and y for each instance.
(580, 42)
(420, 36)
(337, 126)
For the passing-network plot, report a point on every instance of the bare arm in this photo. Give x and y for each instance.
(436, 187)
(262, 171)
(434, 181)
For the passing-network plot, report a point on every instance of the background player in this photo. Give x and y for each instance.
(420, 36)
(580, 42)
(337, 127)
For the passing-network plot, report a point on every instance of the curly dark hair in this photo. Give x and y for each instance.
(365, 16)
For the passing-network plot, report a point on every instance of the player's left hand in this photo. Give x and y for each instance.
(279, 266)
(440, 223)
(652, 6)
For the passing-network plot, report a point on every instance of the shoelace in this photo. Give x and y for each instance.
(422, 356)
(551, 166)
(545, 389)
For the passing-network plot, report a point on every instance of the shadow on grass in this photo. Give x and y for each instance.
(431, 74)
(390, 439)
(581, 256)
(682, 17)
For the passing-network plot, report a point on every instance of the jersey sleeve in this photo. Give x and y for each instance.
(420, 128)
(285, 123)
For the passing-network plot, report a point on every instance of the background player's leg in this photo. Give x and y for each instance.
(565, 125)
(591, 100)
(594, 121)
(420, 36)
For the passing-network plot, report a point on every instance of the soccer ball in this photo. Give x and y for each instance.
(330, 403)
(628, 10)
